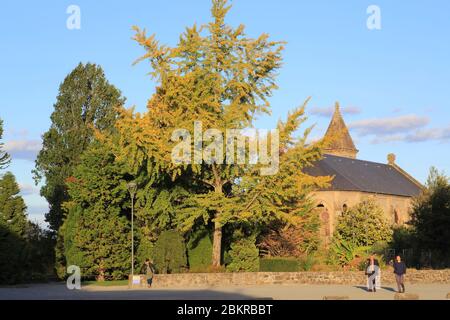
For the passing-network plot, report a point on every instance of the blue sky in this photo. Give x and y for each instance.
(393, 84)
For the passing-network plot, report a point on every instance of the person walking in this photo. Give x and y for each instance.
(399, 271)
(373, 274)
(149, 272)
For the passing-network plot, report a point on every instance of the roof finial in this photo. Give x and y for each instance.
(336, 107)
(391, 158)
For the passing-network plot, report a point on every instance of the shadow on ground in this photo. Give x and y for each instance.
(134, 294)
(60, 291)
(364, 288)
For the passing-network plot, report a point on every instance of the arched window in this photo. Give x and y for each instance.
(344, 208)
(325, 222)
(396, 217)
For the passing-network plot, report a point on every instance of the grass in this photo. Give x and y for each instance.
(105, 283)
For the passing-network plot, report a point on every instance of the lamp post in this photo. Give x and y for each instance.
(132, 187)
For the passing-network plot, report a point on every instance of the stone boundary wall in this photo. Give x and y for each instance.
(287, 278)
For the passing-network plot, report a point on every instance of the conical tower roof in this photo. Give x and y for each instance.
(340, 141)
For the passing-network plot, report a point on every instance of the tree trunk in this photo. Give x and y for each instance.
(217, 245)
(101, 272)
(217, 237)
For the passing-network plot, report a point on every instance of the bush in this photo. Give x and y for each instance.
(199, 251)
(346, 253)
(279, 265)
(208, 269)
(169, 252)
(379, 247)
(287, 264)
(244, 256)
(364, 224)
(144, 251)
(306, 262)
(402, 238)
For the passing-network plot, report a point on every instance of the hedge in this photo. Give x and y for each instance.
(279, 265)
(199, 252)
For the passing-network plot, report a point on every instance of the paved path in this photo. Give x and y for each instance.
(59, 291)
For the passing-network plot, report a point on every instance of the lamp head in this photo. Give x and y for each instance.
(132, 187)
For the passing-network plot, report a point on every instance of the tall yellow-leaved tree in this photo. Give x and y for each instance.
(219, 76)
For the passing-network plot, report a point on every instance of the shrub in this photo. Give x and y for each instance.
(279, 265)
(306, 262)
(208, 269)
(289, 240)
(169, 252)
(402, 238)
(343, 252)
(199, 251)
(364, 224)
(244, 256)
(144, 251)
(379, 247)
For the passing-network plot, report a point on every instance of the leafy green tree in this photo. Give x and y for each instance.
(12, 206)
(4, 156)
(96, 231)
(11, 255)
(24, 259)
(22, 250)
(220, 76)
(39, 253)
(169, 253)
(103, 238)
(86, 101)
(67, 251)
(244, 256)
(430, 216)
(364, 224)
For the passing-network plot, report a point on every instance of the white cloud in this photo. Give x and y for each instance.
(436, 134)
(328, 111)
(36, 213)
(388, 138)
(23, 149)
(389, 126)
(20, 133)
(421, 135)
(28, 189)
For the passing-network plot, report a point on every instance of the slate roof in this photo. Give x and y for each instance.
(358, 175)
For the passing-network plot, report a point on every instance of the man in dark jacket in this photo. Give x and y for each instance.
(399, 271)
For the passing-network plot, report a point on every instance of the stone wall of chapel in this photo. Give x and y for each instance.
(396, 208)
